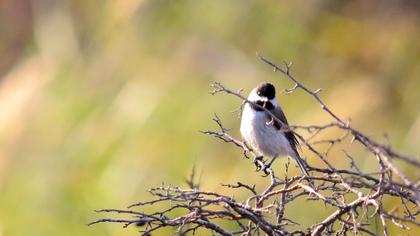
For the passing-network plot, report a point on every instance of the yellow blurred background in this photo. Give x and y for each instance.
(101, 100)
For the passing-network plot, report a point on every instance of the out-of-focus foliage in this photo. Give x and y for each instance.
(101, 100)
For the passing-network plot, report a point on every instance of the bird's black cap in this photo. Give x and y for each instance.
(266, 90)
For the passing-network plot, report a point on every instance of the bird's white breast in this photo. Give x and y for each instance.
(263, 137)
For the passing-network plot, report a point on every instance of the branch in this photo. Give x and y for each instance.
(265, 208)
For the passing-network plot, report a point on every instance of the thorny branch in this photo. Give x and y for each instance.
(356, 197)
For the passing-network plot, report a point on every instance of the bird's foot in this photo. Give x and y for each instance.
(267, 168)
(260, 164)
(267, 172)
(257, 161)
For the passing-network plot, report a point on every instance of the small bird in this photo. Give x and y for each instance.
(262, 132)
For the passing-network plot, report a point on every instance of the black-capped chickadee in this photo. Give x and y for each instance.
(262, 132)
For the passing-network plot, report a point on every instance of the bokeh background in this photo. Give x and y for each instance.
(101, 100)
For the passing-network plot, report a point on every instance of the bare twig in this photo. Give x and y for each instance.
(197, 210)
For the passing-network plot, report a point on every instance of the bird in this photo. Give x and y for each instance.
(262, 132)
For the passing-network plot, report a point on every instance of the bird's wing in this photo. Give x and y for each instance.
(278, 113)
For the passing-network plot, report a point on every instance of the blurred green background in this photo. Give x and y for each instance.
(101, 100)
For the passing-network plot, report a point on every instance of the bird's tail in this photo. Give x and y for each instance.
(301, 163)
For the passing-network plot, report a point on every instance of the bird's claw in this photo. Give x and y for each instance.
(267, 168)
(266, 172)
(259, 158)
(260, 164)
